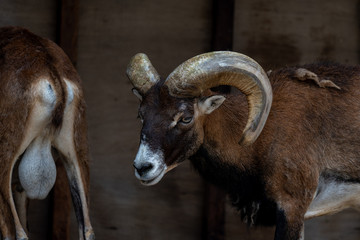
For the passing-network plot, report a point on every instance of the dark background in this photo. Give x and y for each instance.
(273, 32)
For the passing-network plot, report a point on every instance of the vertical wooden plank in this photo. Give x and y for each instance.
(61, 205)
(358, 28)
(214, 213)
(169, 32)
(223, 25)
(69, 28)
(214, 200)
(67, 40)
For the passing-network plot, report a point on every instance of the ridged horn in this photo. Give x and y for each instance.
(208, 70)
(141, 73)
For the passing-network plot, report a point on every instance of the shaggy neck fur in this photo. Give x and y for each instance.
(234, 173)
(245, 189)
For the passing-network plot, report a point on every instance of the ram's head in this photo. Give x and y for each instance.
(172, 110)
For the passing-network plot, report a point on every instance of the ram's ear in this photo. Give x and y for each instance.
(208, 105)
(137, 94)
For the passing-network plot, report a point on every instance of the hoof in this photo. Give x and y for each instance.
(21, 238)
(21, 235)
(90, 235)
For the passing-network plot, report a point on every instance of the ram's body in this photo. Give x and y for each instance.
(307, 149)
(305, 163)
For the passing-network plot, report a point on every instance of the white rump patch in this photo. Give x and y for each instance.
(46, 93)
(45, 101)
(64, 140)
(70, 92)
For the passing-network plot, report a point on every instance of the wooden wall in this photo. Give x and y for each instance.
(278, 33)
(275, 33)
(111, 32)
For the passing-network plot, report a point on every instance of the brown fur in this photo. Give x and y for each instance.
(24, 58)
(310, 131)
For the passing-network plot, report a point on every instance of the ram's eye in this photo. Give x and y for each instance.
(186, 120)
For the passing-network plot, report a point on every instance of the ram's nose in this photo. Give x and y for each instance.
(143, 168)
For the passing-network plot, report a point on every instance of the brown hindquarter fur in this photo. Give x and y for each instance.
(24, 59)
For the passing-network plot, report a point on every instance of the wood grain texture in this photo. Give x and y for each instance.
(69, 28)
(110, 32)
(61, 205)
(281, 33)
(37, 15)
(290, 32)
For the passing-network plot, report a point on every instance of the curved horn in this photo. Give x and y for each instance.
(213, 69)
(141, 73)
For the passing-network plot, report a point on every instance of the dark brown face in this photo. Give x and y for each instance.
(168, 135)
(172, 131)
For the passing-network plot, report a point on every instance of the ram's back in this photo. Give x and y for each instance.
(315, 125)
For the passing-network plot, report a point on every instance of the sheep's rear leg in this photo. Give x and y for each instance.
(9, 219)
(20, 198)
(21, 202)
(6, 221)
(79, 195)
(78, 179)
(71, 142)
